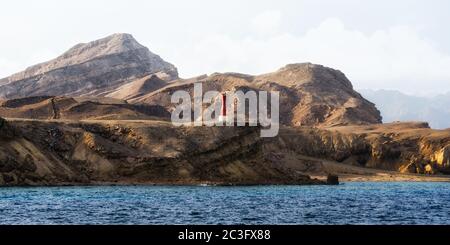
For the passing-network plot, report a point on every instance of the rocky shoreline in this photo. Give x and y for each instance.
(38, 153)
(64, 152)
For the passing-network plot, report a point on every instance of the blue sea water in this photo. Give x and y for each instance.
(348, 203)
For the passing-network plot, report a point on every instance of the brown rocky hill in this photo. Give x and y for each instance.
(88, 69)
(309, 94)
(50, 107)
(137, 88)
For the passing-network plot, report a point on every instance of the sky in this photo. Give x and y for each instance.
(402, 45)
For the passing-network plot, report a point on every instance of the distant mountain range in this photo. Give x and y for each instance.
(397, 106)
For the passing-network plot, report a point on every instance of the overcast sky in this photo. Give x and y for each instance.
(403, 45)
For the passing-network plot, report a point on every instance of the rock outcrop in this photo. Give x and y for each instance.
(332, 179)
(6, 132)
(310, 95)
(88, 69)
(108, 152)
(2, 125)
(402, 147)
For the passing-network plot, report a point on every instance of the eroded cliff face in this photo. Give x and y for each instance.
(403, 147)
(150, 152)
(155, 152)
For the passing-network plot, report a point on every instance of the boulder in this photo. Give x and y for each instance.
(2, 122)
(332, 179)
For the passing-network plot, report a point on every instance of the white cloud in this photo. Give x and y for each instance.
(267, 22)
(397, 57)
(390, 53)
(11, 66)
(8, 67)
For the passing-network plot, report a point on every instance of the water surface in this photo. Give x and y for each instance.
(348, 203)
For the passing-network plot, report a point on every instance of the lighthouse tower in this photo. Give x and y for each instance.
(223, 110)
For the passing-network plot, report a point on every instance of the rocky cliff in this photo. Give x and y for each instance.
(150, 152)
(155, 152)
(401, 147)
(88, 69)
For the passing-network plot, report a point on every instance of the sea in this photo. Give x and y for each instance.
(347, 203)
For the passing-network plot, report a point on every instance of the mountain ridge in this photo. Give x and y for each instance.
(397, 106)
(310, 95)
(87, 67)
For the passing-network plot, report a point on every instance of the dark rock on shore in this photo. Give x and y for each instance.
(332, 179)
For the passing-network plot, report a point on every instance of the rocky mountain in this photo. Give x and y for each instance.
(118, 67)
(309, 94)
(88, 69)
(397, 106)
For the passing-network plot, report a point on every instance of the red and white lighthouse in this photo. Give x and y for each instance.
(223, 110)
